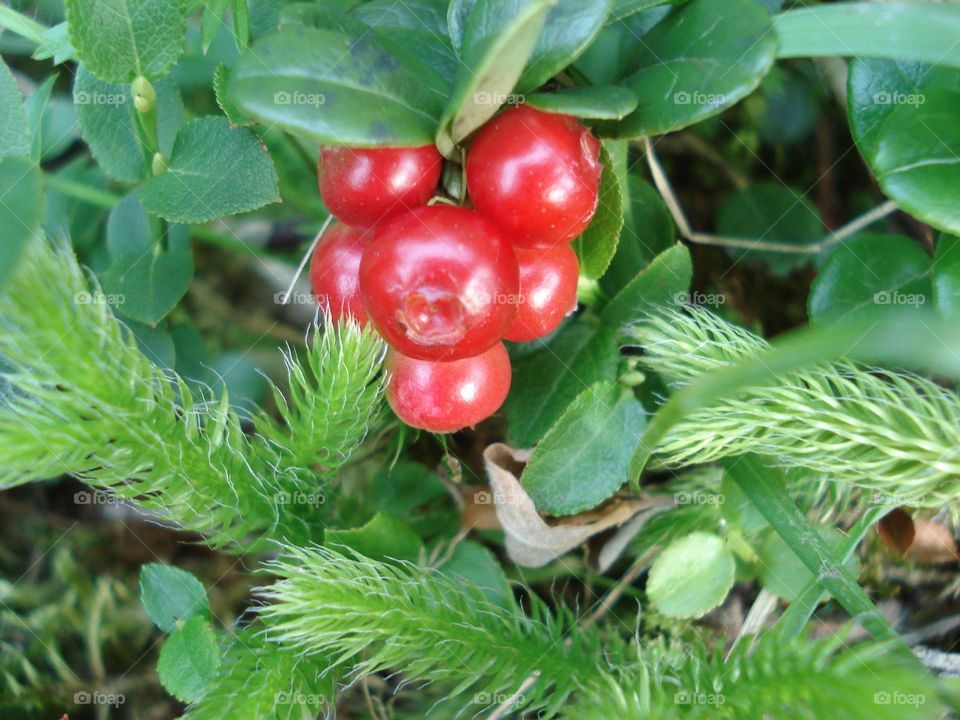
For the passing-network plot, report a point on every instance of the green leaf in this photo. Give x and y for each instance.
(596, 102)
(585, 457)
(333, 88)
(155, 343)
(146, 286)
(383, 537)
(903, 117)
(770, 212)
(402, 487)
(429, 16)
(783, 573)
(214, 171)
(569, 28)
(221, 80)
(14, 133)
(170, 594)
(691, 576)
(704, 57)
(665, 281)
(597, 245)
(119, 40)
(903, 30)
(498, 40)
(476, 564)
(946, 277)
(108, 124)
(128, 228)
(56, 44)
(189, 659)
(648, 230)
(21, 209)
(241, 23)
(625, 8)
(548, 379)
(869, 271)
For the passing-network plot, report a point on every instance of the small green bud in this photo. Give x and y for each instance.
(144, 96)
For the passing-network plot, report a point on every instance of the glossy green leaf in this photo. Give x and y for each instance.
(704, 57)
(903, 117)
(569, 28)
(770, 212)
(148, 285)
(498, 39)
(691, 576)
(55, 44)
(21, 209)
(170, 594)
(648, 230)
(596, 102)
(214, 171)
(624, 8)
(189, 659)
(119, 40)
(547, 380)
(665, 281)
(596, 246)
(383, 537)
(108, 124)
(585, 457)
(333, 88)
(14, 134)
(429, 16)
(871, 271)
(946, 277)
(923, 32)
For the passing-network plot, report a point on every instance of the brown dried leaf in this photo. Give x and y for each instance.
(532, 541)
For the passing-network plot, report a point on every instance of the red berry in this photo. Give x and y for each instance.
(548, 291)
(364, 186)
(536, 174)
(334, 271)
(448, 396)
(440, 283)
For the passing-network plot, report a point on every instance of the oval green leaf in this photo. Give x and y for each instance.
(692, 576)
(596, 246)
(595, 102)
(585, 457)
(665, 281)
(701, 59)
(904, 120)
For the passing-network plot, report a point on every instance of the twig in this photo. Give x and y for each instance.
(610, 599)
(305, 260)
(662, 184)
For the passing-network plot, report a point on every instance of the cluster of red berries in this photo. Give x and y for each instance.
(445, 284)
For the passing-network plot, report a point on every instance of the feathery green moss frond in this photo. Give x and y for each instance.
(82, 399)
(387, 616)
(803, 679)
(890, 432)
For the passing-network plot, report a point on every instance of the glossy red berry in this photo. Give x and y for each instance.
(440, 283)
(448, 396)
(536, 174)
(365, 186)
(335, 271)
(548, 291)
